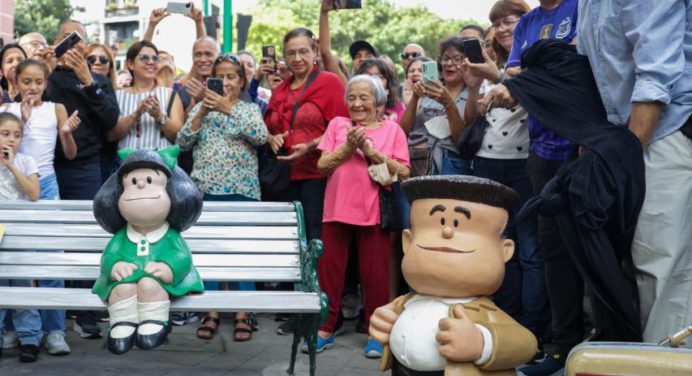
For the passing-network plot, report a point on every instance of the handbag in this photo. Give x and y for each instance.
(275, 174)
(471, 140)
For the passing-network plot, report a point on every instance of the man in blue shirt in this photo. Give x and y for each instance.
(641, 55)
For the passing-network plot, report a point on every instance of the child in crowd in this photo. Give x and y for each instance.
(18, 181)
(46, 122)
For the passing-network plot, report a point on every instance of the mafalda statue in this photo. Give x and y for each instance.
(145, 205)
(454, 258)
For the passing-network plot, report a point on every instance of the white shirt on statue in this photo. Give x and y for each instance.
(412, 340)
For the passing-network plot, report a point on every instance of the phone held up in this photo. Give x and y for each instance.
(269, 56)
(472, 50)
(180, 8)
(215, 84)
(430, 72)
(347, 4)
(70, 41)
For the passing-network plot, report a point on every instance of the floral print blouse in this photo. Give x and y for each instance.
(224, 150)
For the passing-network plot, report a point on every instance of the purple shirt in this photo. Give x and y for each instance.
(559, 23)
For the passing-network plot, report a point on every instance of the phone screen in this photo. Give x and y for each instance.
(430, 72)
(269, 55)
(472, 50)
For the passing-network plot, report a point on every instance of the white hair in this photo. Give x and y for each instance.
(375, 85)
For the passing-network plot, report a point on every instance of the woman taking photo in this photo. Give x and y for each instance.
(434, 118)
(143, 122)
(297, 130)
(351, 205)
(223, 133)
(503, 157)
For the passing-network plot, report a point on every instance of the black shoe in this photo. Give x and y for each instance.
(287, 327)
(148, 342)
(119, 346)
(282, 316)
(85, 324)
(28, 353)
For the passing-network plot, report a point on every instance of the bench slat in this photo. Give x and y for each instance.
(196, 232)
(86, 205)
(94, 259)
(222, 301)
(207, 218)
(207, 273)
(196, 245)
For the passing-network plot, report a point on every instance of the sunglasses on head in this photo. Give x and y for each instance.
(147, 58)
(228, 57)
(103, 59)
(412, 55)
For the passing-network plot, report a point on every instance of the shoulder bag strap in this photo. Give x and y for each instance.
(297, 104)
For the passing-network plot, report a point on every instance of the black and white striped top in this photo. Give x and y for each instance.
(146, 134)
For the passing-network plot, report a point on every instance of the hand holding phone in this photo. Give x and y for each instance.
(269, 53)
(473, 51)
(430, 72)
(347, 4)
(215, 84)
(70, 41)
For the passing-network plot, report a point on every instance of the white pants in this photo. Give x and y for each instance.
(662, 247)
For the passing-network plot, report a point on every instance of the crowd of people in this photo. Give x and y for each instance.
(351, 135)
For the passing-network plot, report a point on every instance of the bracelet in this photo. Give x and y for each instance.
(500, 77)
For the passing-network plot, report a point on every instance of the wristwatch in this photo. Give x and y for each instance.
(162, 122)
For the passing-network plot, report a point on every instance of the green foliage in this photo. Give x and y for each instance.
(43, 16)
(386, 26)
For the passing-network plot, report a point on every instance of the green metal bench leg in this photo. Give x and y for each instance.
(312, 349)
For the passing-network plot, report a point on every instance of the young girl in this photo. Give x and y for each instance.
(45, 123)
(18, 181)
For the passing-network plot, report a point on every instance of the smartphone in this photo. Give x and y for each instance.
(70, 41)
(472, 50)
(180, 8)
(347, 4)
(269, 53)
(215, 84)
(430, 72)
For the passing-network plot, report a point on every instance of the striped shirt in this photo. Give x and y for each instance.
(146, 134)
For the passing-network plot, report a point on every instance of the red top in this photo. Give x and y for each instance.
(319, 104)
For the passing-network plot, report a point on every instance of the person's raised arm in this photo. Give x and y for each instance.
(156, 16)
(330, 61)
(197, 16)
(408, 119)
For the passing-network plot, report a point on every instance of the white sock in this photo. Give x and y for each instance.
(124, 310)
(152, 311)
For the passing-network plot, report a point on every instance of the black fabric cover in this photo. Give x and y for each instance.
(596, 198)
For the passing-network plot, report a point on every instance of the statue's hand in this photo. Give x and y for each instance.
(382, 322)
(460, 340)
(160, 270)
(122, 270)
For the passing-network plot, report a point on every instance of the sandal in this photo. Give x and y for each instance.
(237, 330)
(208, 332)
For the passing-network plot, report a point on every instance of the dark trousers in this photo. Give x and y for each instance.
(523, 292)
(310, 193)
(565, 285)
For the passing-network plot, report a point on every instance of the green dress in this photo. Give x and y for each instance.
(170, 249)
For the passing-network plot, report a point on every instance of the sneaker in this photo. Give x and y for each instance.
(85, 324)
(10, 340)
(183, 318)
(322, 344)
(373, 349)
(56, 345)
(553, 365)
(540, 354)
(28, 353)
(286, 327)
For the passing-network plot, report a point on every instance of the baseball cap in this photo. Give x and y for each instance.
(361, 45)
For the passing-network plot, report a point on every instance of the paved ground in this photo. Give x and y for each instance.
(267, 354)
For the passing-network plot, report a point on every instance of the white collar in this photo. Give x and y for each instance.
(447, 301)
(151, 237)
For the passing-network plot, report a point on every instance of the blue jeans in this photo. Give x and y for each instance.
(523, 293)
(52, 320)
(241, 285)
(27, 322)
(453, 164)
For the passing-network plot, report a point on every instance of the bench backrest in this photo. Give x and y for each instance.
(231, 241)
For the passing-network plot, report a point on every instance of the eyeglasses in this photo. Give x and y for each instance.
(103, 59)
(456, 60)
(147, 58)
(506, 23)
(294, 54)
(411, 55)
(228, 57)
(35, 44)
